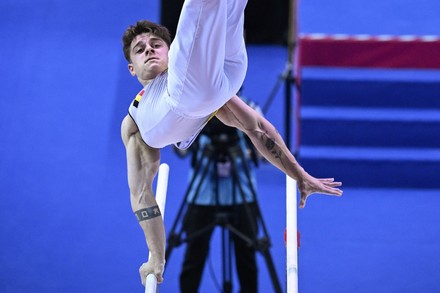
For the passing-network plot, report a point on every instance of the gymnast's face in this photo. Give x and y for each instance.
(149, 57)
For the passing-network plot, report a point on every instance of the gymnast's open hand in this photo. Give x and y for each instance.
(308, 185)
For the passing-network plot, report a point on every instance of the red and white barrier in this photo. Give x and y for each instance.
(382, 51)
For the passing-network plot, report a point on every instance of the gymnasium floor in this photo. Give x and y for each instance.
(66, 220)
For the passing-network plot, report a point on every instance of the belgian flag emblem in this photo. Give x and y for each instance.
(138, 98)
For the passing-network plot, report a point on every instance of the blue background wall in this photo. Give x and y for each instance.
(66, 222)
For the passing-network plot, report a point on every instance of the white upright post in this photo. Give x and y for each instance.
(161, 196)
(162, 186)
(291, 237)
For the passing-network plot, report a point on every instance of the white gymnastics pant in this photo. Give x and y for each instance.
(207, 59)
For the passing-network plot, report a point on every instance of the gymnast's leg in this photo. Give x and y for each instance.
(204, 72)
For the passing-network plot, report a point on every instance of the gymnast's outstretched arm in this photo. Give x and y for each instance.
(269, 143)
(142, 166)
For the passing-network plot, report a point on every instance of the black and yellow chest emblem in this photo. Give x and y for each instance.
(138, 98)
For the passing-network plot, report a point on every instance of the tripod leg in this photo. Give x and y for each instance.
(175, 239)
(272, 94)
(271, 269)
(227, 263)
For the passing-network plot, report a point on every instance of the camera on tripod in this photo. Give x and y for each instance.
(221, 152)
(226, 140)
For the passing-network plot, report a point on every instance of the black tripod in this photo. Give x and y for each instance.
(219, 151)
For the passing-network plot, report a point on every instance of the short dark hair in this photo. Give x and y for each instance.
(143, 26)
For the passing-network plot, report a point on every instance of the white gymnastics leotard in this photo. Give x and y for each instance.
(207, 65)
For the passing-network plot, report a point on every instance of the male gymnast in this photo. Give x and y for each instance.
(185, 84)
